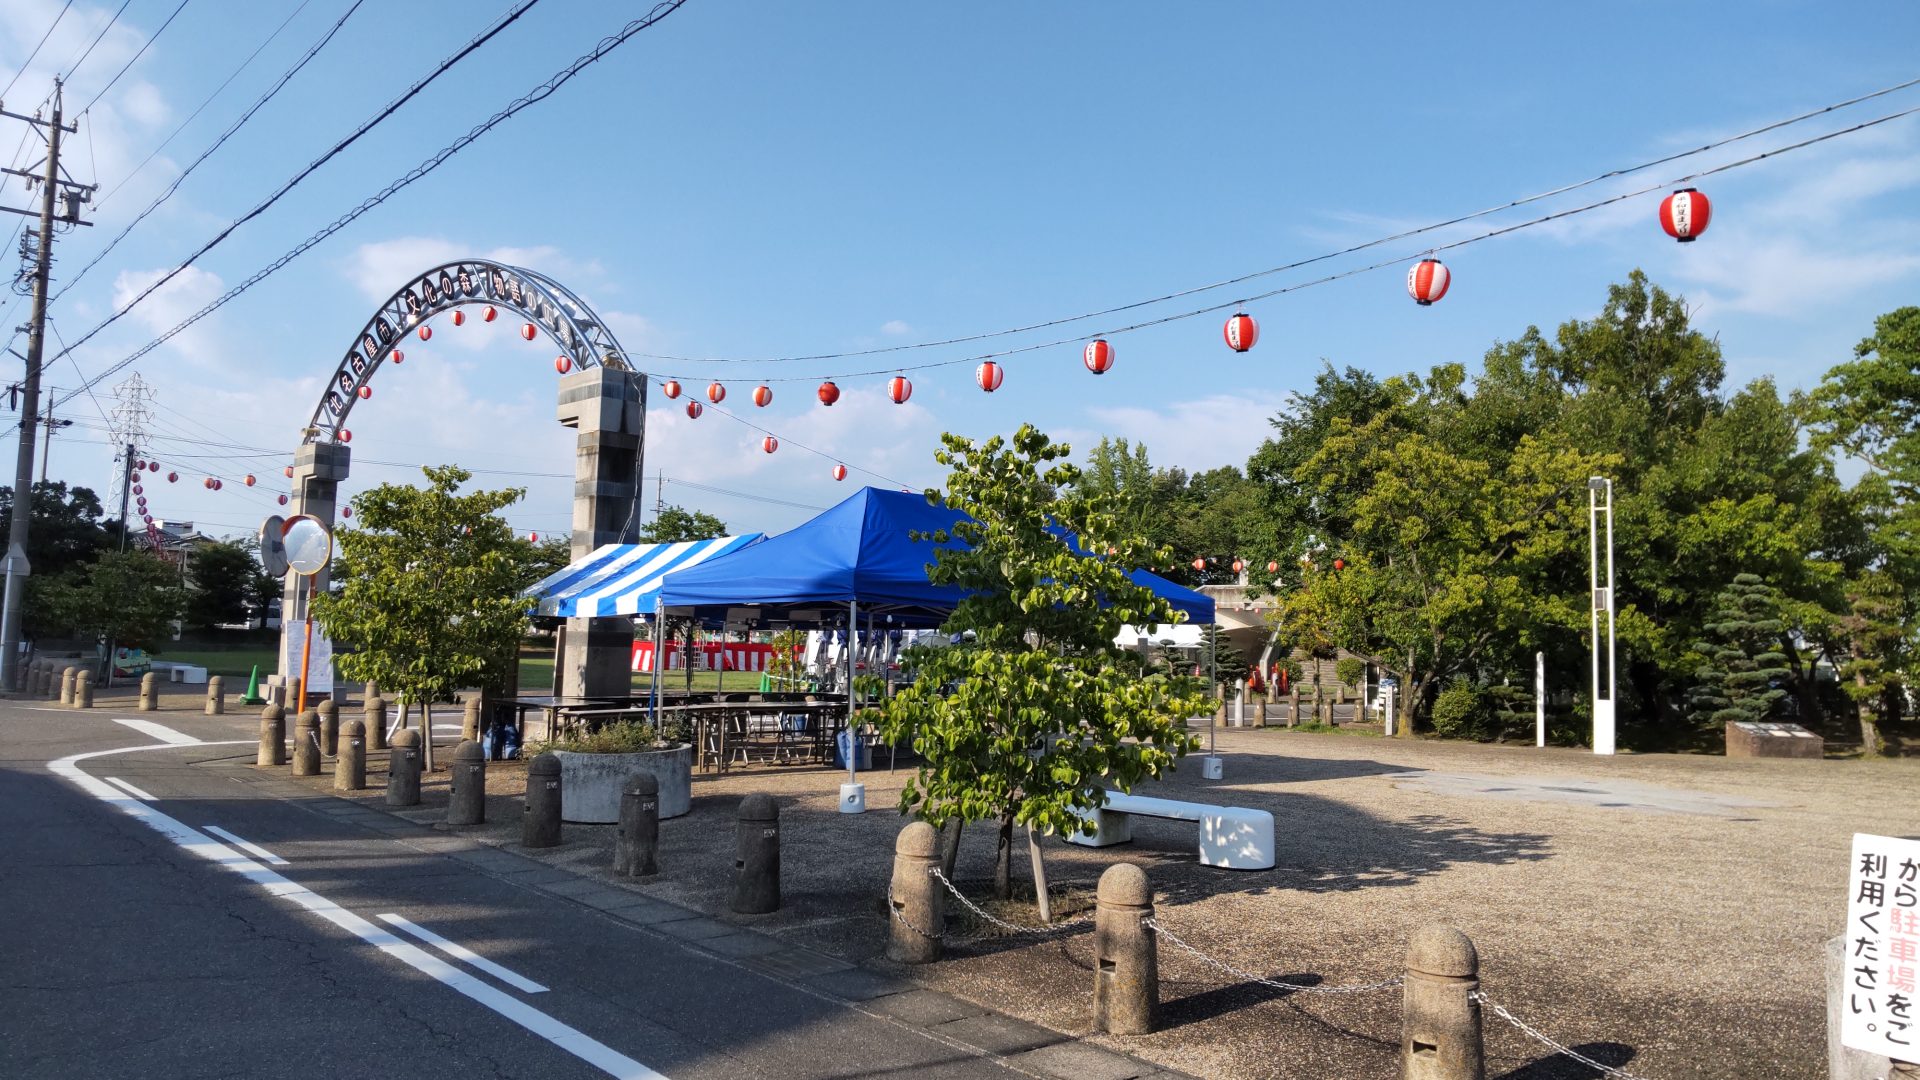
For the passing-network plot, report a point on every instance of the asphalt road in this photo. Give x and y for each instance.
(138, 940)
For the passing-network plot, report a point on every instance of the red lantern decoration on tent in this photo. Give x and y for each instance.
(839, 472)
(366, 392)
(1098, 356)
(283, 500)
(763, 395)
(716, 393)
(288, 471)
(1200, 564)
(1684, 214)
(829, 393)
(528, 330)
(249, 479)
(346, 436)
(694, 409)
(1339, 564)
(899, 389)
(1241, 332)
(398, 356)
(425, 332)
(1427, 281)
(563, 364)
(671, 389)
(989, 375)
(1273, 567)
(769, 444)
(459, 318)
(489, 314)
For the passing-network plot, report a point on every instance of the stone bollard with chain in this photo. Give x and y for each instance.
(638, 841)
(403, 769)
(376, 722)
(273, 737)
(329, 713)
(468, 803)
(1441, 1034)
(756, 863)
(306, 744)
(83, 690)
(66, 685)
(1126, 964)
(917, 908)
(350, 766)
(216, 696)
(149, 692)
(540, 813)
(470, 723)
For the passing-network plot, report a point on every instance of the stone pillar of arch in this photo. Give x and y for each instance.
(318, 469)
(607, 410)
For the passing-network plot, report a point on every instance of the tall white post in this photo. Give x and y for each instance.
(1602, 601)
(853, 794)
(1540, 699)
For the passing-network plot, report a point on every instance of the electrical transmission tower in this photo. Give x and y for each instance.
(132, 408)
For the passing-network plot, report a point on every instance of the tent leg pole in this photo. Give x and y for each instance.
(853, 620)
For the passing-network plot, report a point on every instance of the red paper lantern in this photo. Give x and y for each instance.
(563, 364)
(1684, 214)
(769, 444)
(459, 318)
(138, 490)
(716, 393)
(289, 471)
(1098, 356)
(763, 395)
(1427, 281)
(489, 314)
(1273, 567)
(829, 393)
(839, 472)
(207, 482)
(153, 466)
(346, 436)
(1339, 564)
(1238, 566)
(139, 465)
(899, 389)
(398, 356)
(250, 480)
(173, 477)
(989, 375)
(425, 332)
(1200, 564)
(528, 330)
(147, 518)
(283, 500)
(533, 538)
(694, 409)
(1241, 332)
(346, 511)
(670, 388)
(366, 392)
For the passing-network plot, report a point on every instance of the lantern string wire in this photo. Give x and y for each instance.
(1420, 230)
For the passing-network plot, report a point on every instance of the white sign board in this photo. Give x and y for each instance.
(320, 661)
(1882, 948)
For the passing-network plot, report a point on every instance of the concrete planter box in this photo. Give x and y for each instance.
(591, 784)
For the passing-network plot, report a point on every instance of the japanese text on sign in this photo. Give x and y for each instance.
(1882, 946)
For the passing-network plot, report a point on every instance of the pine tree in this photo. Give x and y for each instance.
(1740, 665)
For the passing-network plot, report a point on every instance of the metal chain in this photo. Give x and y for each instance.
(1357, 988)
(1013, 928)
(1541, 1037)
(901, 915)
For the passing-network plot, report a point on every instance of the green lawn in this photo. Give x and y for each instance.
(232, 663)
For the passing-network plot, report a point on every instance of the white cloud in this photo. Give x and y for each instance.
(896, 328)
(188, 292)
(1203, 433)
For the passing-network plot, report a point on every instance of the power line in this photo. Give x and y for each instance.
(538, 94)
(151, 38)
(36, 49)
(75, 66)
(1243, 278)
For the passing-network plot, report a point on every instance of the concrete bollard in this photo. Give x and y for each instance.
(53, 687)
(66, 685)
(756, 862)
(470, 724)
(149, 692)
(637, 843)
(1441, 1037)
(372, 690)
(329, 713)
(540, 816)
(306, 744)
(917, 914)
(217, 696)
(468, 803)
(37, 677)
(1126, 962)
(83, 690)
(403, 769)
(273, 736)
(376, 722)
(350, 768)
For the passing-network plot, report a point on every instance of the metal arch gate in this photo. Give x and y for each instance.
(602, 396)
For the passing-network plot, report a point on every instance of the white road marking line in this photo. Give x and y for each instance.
(130, 789)
(247, 846)
(461, 952)
(159, 731)
(598, 1054)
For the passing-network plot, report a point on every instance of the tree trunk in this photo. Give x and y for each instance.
(1869, 727)
(1003, 860)
(1811, 715)
(950, 846)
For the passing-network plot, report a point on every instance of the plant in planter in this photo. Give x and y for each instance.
(597, 764)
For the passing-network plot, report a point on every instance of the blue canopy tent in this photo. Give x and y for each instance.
(624, 579)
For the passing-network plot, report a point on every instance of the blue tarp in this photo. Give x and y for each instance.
(857, 551)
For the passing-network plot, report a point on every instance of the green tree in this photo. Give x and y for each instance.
(65, 531)
(224, 578)
(426, 597)
(129, 597)
(1740, 667)
(1026, 723)
(676, 524)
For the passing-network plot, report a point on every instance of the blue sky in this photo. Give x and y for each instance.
(762, 179)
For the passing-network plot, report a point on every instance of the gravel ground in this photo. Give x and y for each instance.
(1661, 913)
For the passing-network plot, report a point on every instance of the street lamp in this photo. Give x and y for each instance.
(1600, 501)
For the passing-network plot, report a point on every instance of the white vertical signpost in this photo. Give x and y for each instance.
(1540, 699)
(1881, 948)
(1602, 602)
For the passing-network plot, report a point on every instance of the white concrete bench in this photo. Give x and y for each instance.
(1230, 836)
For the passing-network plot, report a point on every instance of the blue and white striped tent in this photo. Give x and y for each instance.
(624, 579)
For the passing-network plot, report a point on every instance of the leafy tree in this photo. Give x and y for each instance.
(675, 524)
(1740, 666)
(65, 531)
(427, 588)
(1879, 654)
(225, 577)
(1026, 722)
(129, 597)
(1217, 650)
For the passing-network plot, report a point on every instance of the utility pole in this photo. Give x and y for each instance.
(53, 183)
(126, 483)
(46, 453)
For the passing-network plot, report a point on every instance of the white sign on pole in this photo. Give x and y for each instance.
(1882, 947)
(320, 665)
